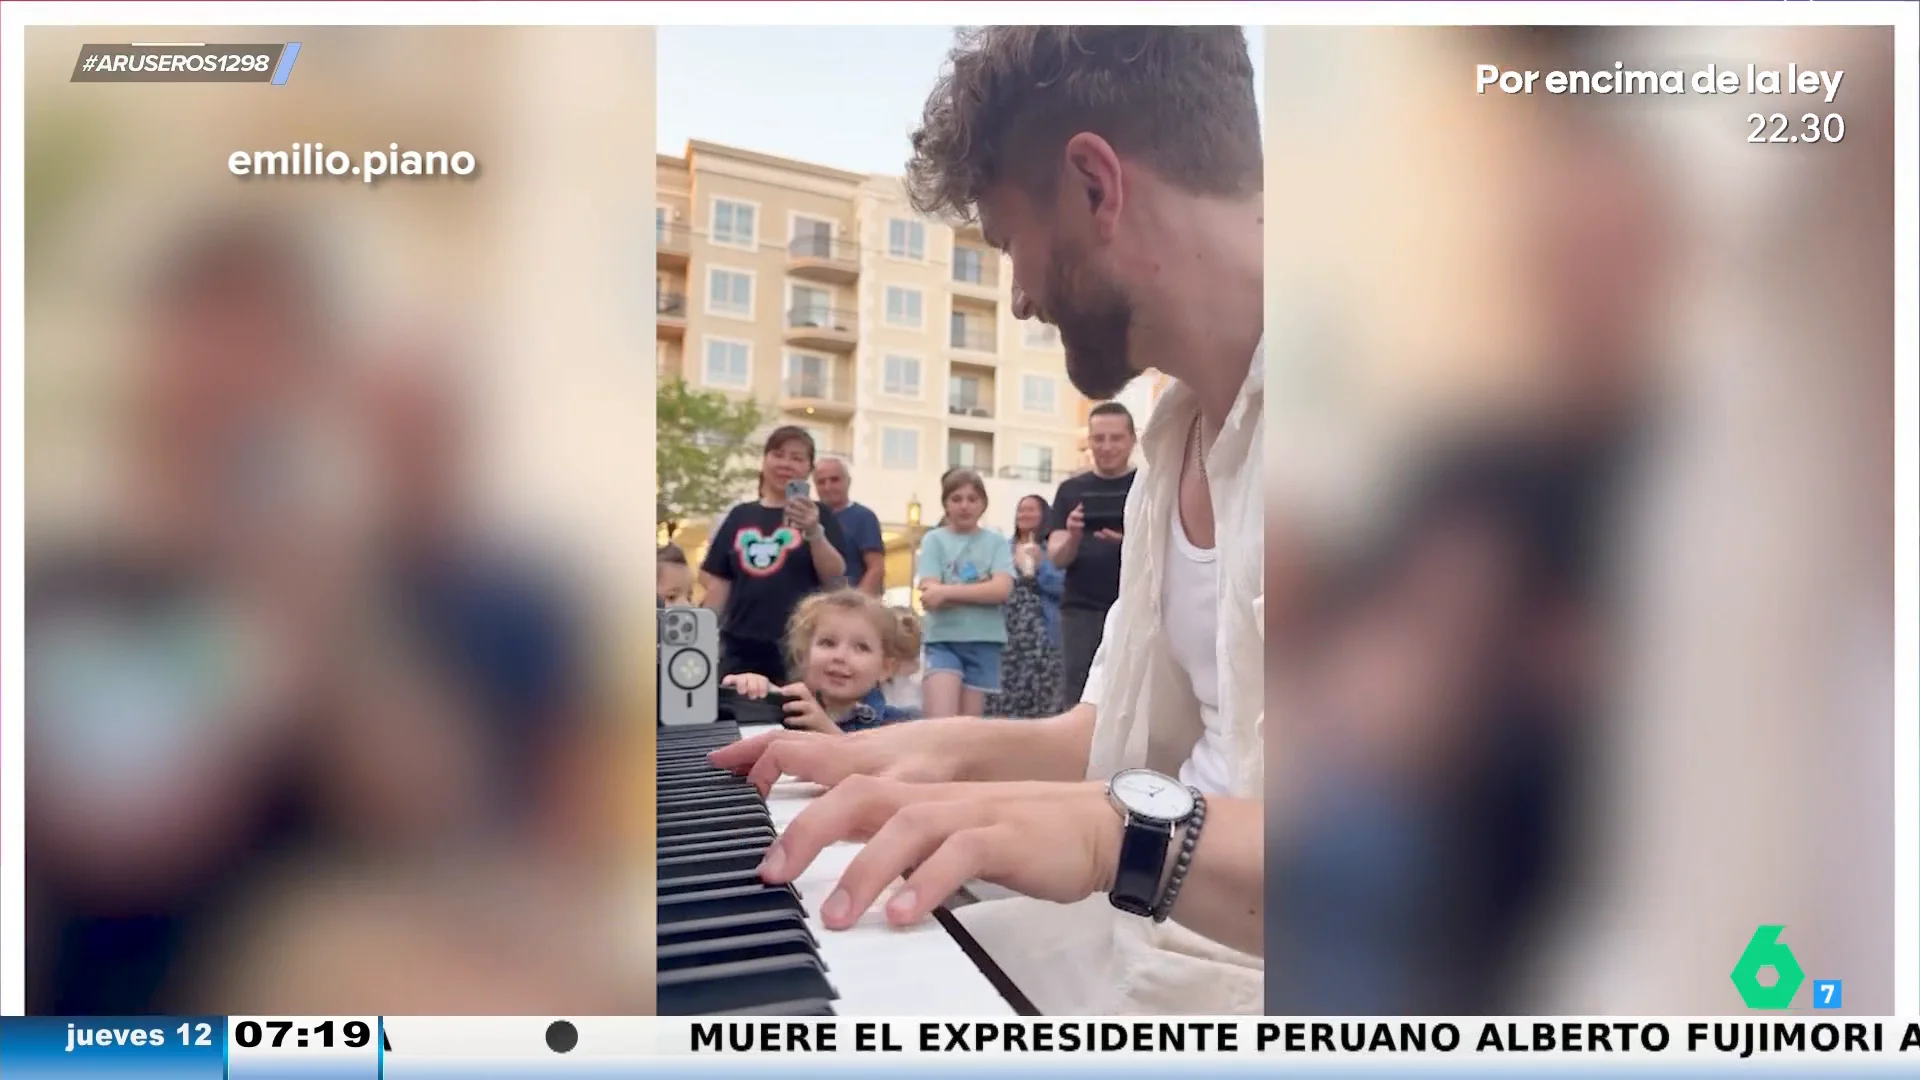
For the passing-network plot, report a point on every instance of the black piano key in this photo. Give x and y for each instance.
(698, 731)
(814, 1007)
(675, 867)
(698, 754)
(665, 829)
(755, 839)
(699, 814)
(712, 779)
(723, 988)
(696, 761)
(725, 926)
(709, 804)
(732, 950)
(712, 879)
(738, 900)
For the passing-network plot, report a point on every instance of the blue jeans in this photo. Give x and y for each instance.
(976, 662)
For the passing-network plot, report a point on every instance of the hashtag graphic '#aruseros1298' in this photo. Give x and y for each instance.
(186, 62)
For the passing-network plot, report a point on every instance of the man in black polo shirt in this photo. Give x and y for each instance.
(1091, 560)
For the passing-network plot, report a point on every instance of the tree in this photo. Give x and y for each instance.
(705, 457)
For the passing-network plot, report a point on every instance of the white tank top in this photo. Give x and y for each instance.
(1191, 607)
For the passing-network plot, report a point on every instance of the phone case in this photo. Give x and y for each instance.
(689, 666)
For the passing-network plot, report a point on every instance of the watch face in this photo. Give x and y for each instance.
(1151, 795)
(689, 669)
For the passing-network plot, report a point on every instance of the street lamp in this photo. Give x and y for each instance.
(914, 532)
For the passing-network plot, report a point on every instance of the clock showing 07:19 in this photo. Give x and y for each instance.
(321, 1034)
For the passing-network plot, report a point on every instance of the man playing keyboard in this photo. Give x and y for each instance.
(1120, 169)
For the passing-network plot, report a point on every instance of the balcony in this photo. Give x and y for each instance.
(970, 452)
(671, 243)
(1037, 474)
(816, 395)
(828, 329)
(670, 315)
(970, 412)
(971, 336)
(980, 280)
(823, 258)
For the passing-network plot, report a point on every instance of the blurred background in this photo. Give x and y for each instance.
(1582, 526)
(338, 540)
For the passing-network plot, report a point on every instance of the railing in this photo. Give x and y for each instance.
(673, 236)
(817, 318)
(966, 407)
(971, 338)
(1039, 474)
(980, 275)
(823, 247)
(815, 388)
(670, 304)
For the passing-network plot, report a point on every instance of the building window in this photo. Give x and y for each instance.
(1036, 463)
(899, 448)
(662, 221)
(808, 375)
(963, 394)
(966, 454)
(812, 238)
(729, 363)
(809, 306)
(906, 239)
(1037, 394)
(904, 307)
(969, 266)
(729, 292)
(733, 223)
(1041, 335)
(902, 376)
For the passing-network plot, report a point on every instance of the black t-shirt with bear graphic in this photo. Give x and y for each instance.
(768, 568)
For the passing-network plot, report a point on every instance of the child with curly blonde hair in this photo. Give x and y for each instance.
(844, 644)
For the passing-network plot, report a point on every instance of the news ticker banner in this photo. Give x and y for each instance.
(186, 61)
(373, 1047)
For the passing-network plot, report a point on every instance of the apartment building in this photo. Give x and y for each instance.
(891, 337)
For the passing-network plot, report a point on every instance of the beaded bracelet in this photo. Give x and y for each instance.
(1185, 859)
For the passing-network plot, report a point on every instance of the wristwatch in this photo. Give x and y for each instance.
(1154, 807)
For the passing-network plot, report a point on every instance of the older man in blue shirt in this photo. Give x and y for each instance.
(861, 543)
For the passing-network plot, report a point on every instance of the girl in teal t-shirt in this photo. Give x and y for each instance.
(965, 574)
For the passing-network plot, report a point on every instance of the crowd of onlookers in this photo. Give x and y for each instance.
(1006, 625)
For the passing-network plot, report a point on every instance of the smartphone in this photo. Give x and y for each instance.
(689, 666)
(799, 489)
(1104, 510)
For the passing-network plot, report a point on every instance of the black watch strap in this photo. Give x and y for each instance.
(1143, 858)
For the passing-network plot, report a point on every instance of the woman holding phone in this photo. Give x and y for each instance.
(767, 556)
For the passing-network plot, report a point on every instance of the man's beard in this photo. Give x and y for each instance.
(1094, 318)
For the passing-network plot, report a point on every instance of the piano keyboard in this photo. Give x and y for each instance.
(730, 944)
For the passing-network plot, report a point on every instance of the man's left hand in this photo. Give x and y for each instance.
(1057, 842)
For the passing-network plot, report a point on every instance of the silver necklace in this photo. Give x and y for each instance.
(1199, 451)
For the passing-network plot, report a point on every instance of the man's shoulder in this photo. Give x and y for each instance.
(860, 513)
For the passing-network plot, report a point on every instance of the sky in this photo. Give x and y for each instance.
(843, 96)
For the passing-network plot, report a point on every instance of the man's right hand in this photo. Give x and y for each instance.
(921, 752)
(1077, 521)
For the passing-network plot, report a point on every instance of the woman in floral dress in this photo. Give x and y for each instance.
(1030, 664)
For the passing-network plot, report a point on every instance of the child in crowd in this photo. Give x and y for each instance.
(844, 644)
(672, 577)
(965, 574)
(902, 690)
